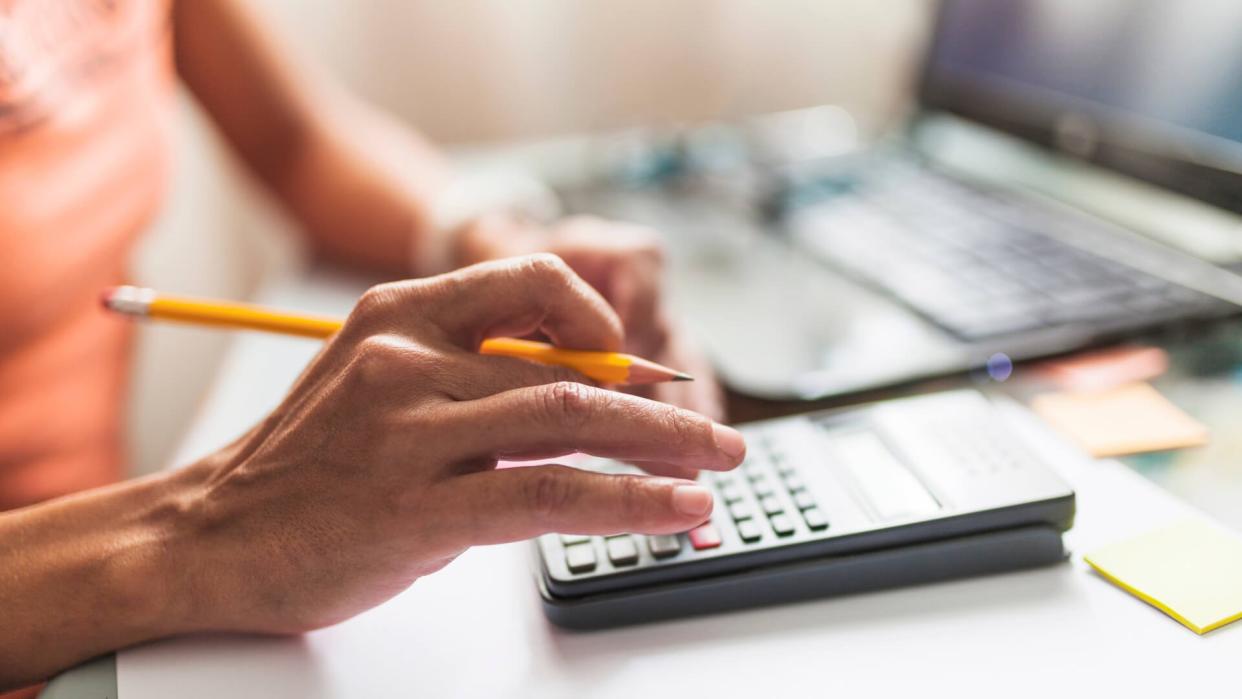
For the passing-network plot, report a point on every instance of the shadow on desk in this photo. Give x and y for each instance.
(840, 615)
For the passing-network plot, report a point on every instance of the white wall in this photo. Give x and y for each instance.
(469, 71)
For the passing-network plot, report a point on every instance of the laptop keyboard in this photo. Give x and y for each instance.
(954, 254)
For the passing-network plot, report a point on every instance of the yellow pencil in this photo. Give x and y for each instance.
(606, 367)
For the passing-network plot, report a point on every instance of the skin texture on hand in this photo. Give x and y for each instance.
(380, 466)
(377, 468)
(625, 263)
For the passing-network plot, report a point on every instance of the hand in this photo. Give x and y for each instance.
(625, 263)
(379, 467)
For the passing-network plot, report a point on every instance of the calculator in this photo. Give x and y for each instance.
(891, 493)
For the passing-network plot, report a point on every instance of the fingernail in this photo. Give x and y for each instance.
(692, 500)
(729, 440)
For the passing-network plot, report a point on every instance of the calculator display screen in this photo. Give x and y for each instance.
(891, 490)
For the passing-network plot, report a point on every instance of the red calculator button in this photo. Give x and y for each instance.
(704, 537)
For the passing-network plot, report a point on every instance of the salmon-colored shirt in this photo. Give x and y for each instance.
(85, 108)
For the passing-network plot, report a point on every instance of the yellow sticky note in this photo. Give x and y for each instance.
(1128, 419)
(1191, 571)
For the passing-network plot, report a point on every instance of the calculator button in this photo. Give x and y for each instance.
(815, 519)
(782, 525)
(571, 539)
(753, 471)
(664, 545)
(622, 550)
(704, 537)
(749, 530)
(771, 505)
(785, 468)
(731, 493)
(794, 482)
(763, 488)
(803, 500)
(580, 558)
(741, 510)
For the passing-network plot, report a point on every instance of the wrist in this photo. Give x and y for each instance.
(498, 235)
(485, 196)
(154, 573)
(94, 572)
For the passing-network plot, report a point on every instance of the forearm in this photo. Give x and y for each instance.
(363, 189)
(360, 185)
(90, 573)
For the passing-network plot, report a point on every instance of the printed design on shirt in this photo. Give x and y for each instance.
(53, 51)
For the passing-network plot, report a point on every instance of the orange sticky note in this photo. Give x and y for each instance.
(1103, 369)
(1128, 419)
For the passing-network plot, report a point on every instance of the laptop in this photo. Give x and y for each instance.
(831, 275)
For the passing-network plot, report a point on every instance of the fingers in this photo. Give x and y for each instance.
(656, 468)
(560, 418)
(519, 296)
(474, 376)
(625, 262)
(520, 503)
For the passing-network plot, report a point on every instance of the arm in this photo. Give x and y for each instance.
(90, 573)
(366, 189)
(360, 184)
(378, 468)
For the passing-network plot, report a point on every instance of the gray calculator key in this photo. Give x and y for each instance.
(622, 550)
(754, 471)
(571, 539)
(771, 505)
(782, 525)
(664, 545)
(741, 510)
(815, 519)
(731, 493)
(803, 500)
(785, 468)
(749, 530)
(580, 558)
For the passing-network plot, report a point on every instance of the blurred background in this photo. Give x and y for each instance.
(475, 72)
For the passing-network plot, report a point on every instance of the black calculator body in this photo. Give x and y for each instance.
(892, 493)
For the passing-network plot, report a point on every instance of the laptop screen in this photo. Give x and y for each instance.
(1153, 87)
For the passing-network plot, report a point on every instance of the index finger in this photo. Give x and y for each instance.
(520, 503)
(561, 418)
(518, 296)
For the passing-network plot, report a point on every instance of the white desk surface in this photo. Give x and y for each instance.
(476, 629)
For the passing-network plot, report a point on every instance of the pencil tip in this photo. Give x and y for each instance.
(683, 377)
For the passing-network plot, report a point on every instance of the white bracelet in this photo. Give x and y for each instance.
(475, 194)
